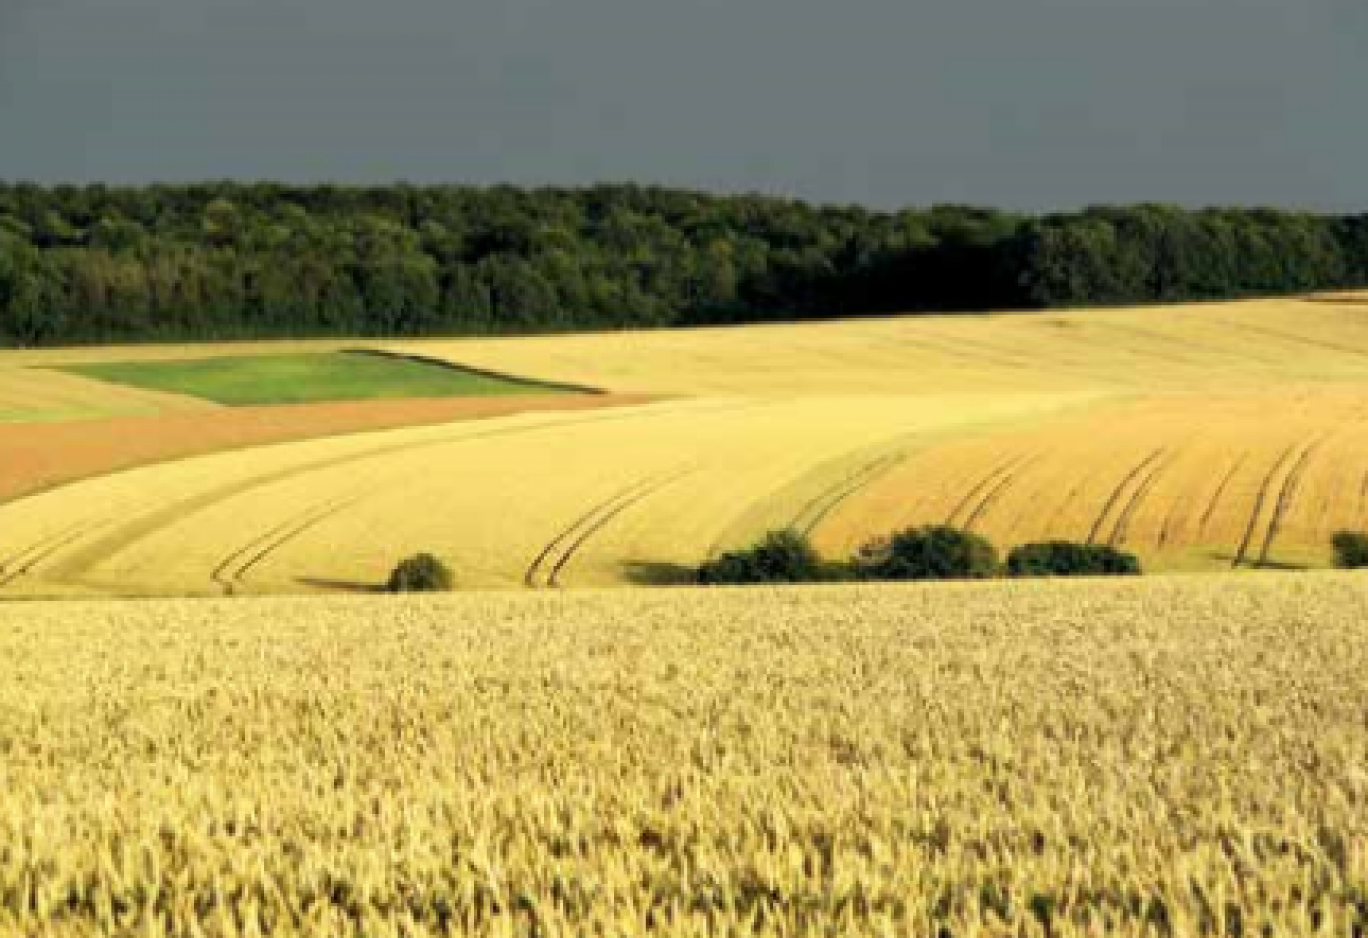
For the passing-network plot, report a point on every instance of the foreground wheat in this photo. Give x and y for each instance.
(1169, 757)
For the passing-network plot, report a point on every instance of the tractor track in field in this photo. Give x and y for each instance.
(1291, 339)
(1121, 532)
(16, 566)
(1122, 494)
(123, 536)
(1166, 529)
(1273, 498)
(1004, 482)
(984, 484)
(233, 569)
(1286, 493)
(1176, 351)
(1204, 523)
(546, 568)
(819, 508)
(1076, 487)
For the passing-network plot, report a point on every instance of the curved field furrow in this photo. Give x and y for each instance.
(1260, 518)
(1283, 503)
(816, 510)
(1122, 498)
(18, 565)
(539, 572)
(1295, 339)
(1121, 534)
(552, 560)
(1004, 482)
(1214, 502)
(973, 498)
(233, 571)
(607, 517)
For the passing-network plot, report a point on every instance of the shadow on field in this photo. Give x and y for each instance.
(1278, 565)
(652, 573)
(340, 586)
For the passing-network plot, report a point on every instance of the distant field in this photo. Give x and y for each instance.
(303, 378)
(1204, 438)
(1212, 347)
(1175, 757)
(29, 395)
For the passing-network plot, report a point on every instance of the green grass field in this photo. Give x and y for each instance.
(305, 378)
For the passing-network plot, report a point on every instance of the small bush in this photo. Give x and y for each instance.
(422, 573)
(1351, 550)
(782, 557)
(1066, 558)
(929, 553)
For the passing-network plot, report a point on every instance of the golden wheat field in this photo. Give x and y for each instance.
(1176, 756)
(1249, 480)
(1199, 347)
(536, 499)
(1203, 437)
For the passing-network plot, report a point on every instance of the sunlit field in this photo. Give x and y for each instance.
(1163, 757)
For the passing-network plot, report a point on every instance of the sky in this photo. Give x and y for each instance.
(1022, 104)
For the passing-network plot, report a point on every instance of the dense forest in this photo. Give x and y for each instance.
(93, 264)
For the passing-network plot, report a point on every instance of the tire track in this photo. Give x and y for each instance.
(1284, 461)
(1204, 524)
(944, 345)
(545, 570)
(233, 569)
(819, 508)
(1166, 529)
(1003, 484)
(1080, 482)
(1122, 493)
(984, 485)
(1121, 532)
(1293, 339)
(1182, 356)
(18, 564)
(1287, 493)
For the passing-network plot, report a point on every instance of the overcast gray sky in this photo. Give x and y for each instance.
(1017, 103)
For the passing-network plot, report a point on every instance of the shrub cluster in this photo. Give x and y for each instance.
(782, 557)
(930, 553)
(935, 552)
(1351, 550)
(1066, 558)
(421, 573)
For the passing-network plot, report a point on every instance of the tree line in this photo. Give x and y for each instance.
(219, 261)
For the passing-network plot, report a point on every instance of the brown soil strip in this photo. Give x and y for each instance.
(36, 457)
